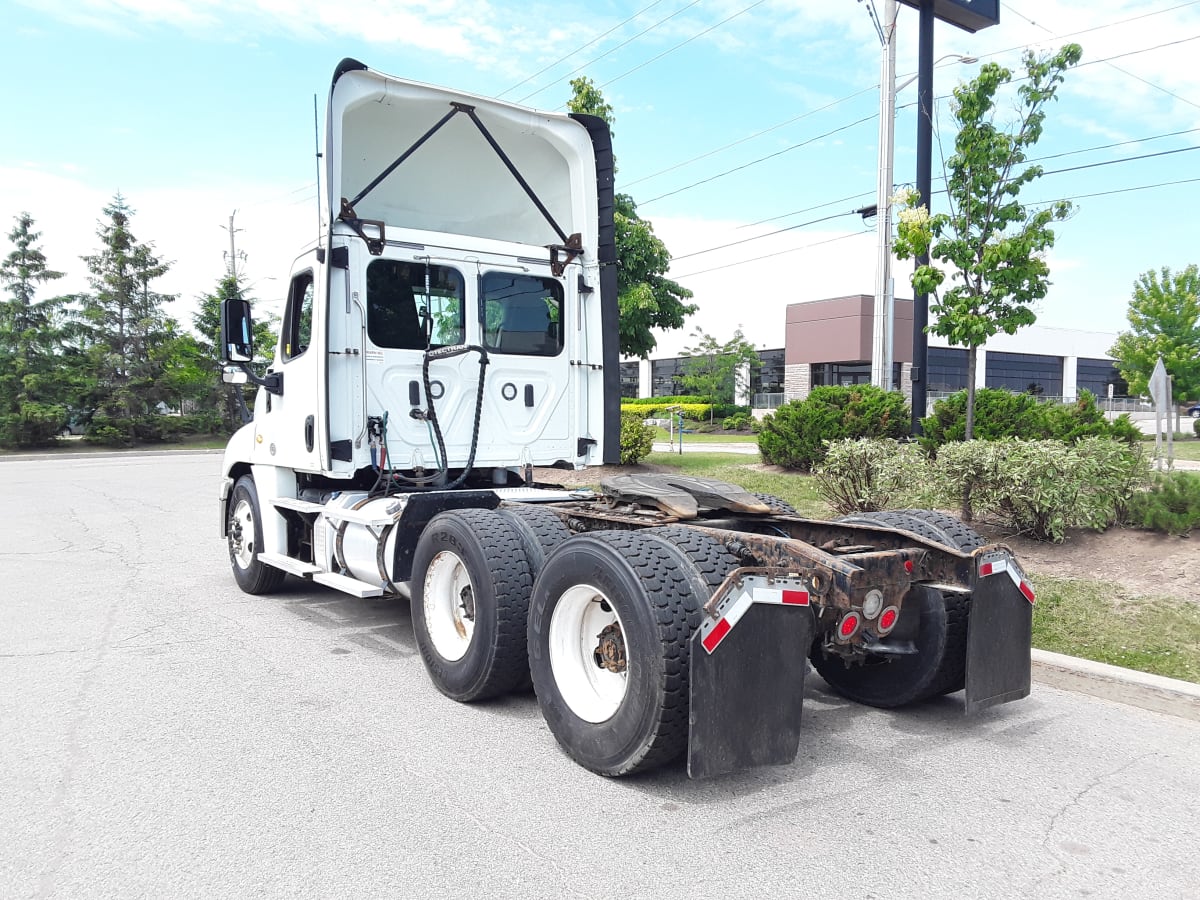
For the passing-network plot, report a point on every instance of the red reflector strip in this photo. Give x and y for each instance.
(1027, 591)
(795, 598)
(985, 569)
(717, 635)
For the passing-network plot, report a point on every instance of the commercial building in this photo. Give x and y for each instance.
(829, 342)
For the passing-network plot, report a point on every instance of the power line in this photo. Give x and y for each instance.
(684, 43)
(594, 40)
(760, 237)
(756, 134)
(796, 212)
(1124, 159)
(755, 162)
(614, 49)
(1144, 81)
(743, 262)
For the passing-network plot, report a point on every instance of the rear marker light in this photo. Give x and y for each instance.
(887, 620)
(848, 626)
(872, 604)
(908, 566)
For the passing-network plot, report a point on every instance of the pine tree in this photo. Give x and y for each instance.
(126, 331)
(30, 411)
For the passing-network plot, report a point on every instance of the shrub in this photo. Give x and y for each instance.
(741, 421)
(1196, 427)
(796, 434)
(637, 438)
(1003, 414)
(659, 409)
(1172, 504)
(867, 475)
(33, 425)
(1042, 488)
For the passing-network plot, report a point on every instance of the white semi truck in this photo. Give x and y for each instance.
(453, 327)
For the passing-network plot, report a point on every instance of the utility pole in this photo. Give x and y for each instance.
(881, 333)
(232, 257)
(925, 192)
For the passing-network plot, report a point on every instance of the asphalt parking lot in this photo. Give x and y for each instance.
(164, 735)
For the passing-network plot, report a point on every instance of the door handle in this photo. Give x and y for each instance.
(310, 433)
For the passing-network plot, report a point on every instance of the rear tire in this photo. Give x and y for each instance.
(610, 626)
(891, 681)
(940, 665)
(245, 539)
(470, 597)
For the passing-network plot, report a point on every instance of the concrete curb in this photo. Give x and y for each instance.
(1152, 692)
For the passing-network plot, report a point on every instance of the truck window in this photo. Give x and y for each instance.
(403, 296)
(297, 322)
(522, 314)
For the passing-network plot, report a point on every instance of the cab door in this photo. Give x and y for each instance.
(291, 424)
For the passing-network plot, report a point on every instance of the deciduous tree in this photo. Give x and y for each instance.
(647, 298)
(718, 370)
(990, 247)
(1164, 320)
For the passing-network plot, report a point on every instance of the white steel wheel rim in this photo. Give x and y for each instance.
(243, 547)
(591, 691)
(449, 606)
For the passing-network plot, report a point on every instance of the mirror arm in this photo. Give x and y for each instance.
(272, 381)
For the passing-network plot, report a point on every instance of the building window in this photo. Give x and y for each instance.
(947, 370)
(1025, 373)
(1097, 375)
(666, 377)
(630, 380)
(844, 374)
(767, 377)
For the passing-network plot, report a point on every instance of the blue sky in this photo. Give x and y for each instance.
(734, 119)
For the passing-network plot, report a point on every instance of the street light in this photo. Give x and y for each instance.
(882, 323)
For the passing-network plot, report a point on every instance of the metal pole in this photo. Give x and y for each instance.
(925, 190)
(232, 249)
(881, 333)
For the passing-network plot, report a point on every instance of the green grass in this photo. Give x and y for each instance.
(193, 442)
(1100, 621)
(1185, 448)
(740, 469)
(715, 437)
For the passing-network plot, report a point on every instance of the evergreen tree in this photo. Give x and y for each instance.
(126, 333)
(30, 409)
(207, 322)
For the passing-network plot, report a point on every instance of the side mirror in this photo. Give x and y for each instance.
(234, 375)
(237, 331)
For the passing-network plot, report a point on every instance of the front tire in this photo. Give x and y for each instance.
(245, 538)
(610, 626)
(470, 596)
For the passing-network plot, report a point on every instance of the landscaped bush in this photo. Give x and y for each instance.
(868, 475)
(637, 438)
(659, 409)
(797, 433)
(1196, 427)
(1004, 414)
(35, 425)
(1172, 504)
(741, 421)
(1042, 488)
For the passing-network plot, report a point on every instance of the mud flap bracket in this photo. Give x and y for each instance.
(747, 694)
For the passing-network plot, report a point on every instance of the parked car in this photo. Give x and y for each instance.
(1194, 410)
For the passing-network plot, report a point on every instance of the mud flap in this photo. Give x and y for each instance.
(747, 694)
(1000, 631)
